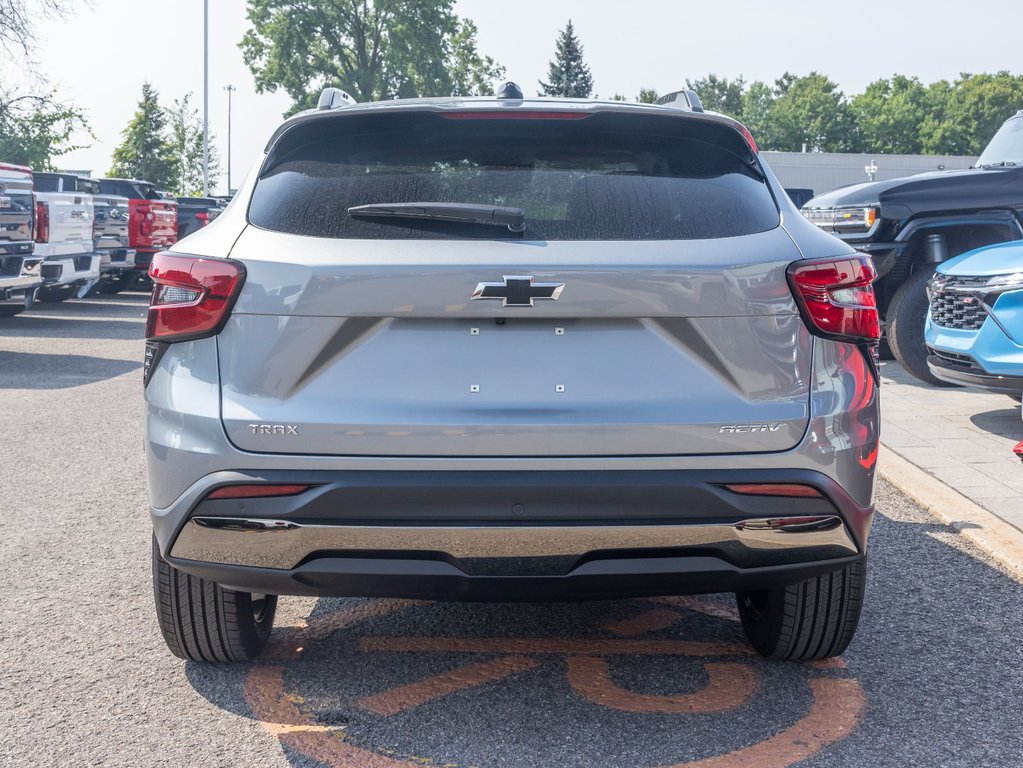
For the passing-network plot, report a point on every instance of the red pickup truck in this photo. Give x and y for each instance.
(152, 226)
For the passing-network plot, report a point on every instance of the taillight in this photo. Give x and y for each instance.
(255, 491)
(145, 214)
(204, 218)
(192, 297)
(836, 297)
(42, 223)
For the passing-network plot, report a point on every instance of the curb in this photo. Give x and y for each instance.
(999, 539)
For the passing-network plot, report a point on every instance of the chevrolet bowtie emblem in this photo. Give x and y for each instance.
(518, 291)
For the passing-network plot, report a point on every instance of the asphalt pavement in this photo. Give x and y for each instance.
(933, 678)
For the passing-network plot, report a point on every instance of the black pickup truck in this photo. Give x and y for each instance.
(908, 225)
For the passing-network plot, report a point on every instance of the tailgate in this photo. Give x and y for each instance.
(376, 348)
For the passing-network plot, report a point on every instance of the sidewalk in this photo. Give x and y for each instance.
(962, 437)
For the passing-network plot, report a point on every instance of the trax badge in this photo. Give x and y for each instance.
(273, 429)
(732, 429)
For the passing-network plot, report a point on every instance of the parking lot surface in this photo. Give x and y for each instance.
(933, 678)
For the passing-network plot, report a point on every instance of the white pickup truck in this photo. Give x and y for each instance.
(64, 237)
(19, 265)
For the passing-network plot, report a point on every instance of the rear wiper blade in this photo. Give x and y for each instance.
(468, 213)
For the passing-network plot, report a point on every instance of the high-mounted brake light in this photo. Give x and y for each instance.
(254, 491)
(42, 223)
(192, 297)
(507, 114)
(836, 297)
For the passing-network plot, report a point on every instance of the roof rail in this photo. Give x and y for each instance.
(333, 98)
(684, 99)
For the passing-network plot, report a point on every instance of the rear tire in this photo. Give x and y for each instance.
(814, 619)
(906, 318)
(203, 621)
(10, 310)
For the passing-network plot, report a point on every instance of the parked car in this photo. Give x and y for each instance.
(910, 225)
(110, 236)
(64, 237)
(510, 349)
(19, 266)
(152, 225)
(195, 213)
(975, 325)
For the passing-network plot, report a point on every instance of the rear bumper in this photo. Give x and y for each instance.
(66, 270)
(515, 535)
(116, 260)
(14, 289)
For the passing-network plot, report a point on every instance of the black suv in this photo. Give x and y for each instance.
(908, 225)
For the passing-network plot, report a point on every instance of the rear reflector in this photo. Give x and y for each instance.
(42, 223)
(256, 491)
(836, 297)
(192, 297)
(792, 490)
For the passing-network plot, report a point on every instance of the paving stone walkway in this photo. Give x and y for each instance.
(963, 437)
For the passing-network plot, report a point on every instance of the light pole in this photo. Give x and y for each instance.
(230, 90)
(206, 98)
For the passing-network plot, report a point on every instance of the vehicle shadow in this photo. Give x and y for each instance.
(29, 325)
(644, 682)
(1004, 422)
(31, 370)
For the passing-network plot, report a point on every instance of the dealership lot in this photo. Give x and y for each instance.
(87, 680)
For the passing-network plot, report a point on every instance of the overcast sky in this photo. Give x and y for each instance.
(99, 57)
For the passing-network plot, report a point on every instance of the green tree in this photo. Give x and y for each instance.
(186, 143)
(888, 115)
(974, 108)
(719, 94)
(568, 75)
(35, 129)
(145, 151)
(756, 113)
(471, 74)
(374, 49)
(647, 96)
(810, 111)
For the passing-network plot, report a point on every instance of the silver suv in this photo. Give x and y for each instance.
(507, 349)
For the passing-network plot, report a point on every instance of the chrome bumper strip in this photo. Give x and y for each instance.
(283, 544)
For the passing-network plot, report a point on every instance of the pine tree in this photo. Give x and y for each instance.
(568, 74)
(145, 152)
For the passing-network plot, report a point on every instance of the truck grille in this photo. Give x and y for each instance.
(952, 309)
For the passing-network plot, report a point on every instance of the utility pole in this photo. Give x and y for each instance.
(230, 90)
(206, 98)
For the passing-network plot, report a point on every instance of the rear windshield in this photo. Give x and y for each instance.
(45, 182)
(606, 177)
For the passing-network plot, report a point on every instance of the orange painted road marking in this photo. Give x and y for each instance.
(838, 707)
(557, 646)
(729, 686)
(410, 696)
(838, 702)
(647, 621)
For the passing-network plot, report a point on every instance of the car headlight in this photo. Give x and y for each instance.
(845, 220)
(1009, 281)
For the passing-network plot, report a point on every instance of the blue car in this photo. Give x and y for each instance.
(974, 330)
